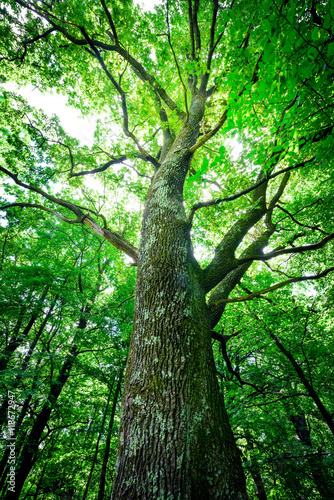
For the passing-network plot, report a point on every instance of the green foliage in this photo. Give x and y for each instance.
(272, 74)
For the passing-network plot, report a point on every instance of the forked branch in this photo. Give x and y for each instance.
(257, 294)
(288, 251)
(218, 201)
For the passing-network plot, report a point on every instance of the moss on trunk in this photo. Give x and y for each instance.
(175, 440)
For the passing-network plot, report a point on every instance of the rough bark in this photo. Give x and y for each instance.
(175, 441)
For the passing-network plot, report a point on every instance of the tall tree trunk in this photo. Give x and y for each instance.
(4, 465)
(108, 440)
(175, 440)
(256, 473)
(39, 483)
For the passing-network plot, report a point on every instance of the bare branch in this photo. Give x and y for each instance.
(313, 228)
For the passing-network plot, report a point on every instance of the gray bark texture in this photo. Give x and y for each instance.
(175, 441)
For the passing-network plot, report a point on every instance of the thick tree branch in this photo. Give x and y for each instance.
(212, 45)
(195, 35)
(257, 294)
(210, 134)
(28, 42)
(212, 33)
(116, 161)
(191, 30)
(216, 302)
(111, 22)
(168, 136)
(230, 280)
(288, 251)
(224, 260)
(233, 197)
(115, 239)
(41, 207)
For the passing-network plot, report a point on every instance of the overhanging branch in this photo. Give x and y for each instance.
(257, 294)
(277, 253)
(136, 65)
(115, 239)
(41, 207)
(233, 197)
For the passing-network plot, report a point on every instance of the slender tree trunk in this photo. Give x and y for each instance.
(108, 440)
(18, 338)
(256, 474)
(27, 457)
(97, 447)
(20, 438)
(20, 318)
(15, 384)
(322, 480)
(39, 484)
(308, 386)
(29, 451)
(175, 440)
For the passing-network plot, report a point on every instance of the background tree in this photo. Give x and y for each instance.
(173, 88)
(61, 385)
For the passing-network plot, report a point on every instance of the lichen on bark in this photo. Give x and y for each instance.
(175, 439)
